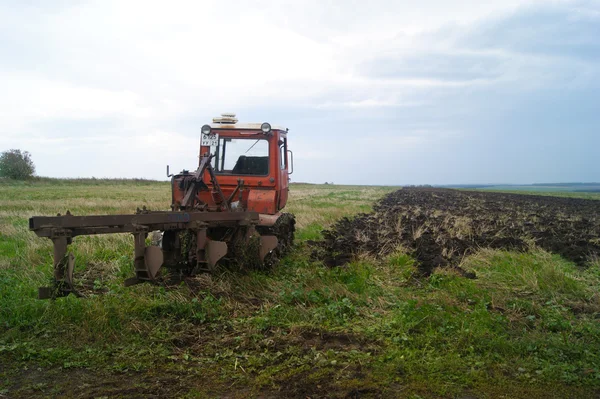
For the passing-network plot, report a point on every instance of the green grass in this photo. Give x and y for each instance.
(526, 327)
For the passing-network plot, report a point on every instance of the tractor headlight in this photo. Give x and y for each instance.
(265, 127)
(205, 129)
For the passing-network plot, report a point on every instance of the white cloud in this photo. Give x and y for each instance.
(133, 80)
(32, 99)
(368, 103)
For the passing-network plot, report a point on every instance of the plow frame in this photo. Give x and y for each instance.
(147, 259)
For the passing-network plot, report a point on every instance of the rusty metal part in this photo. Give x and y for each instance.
(208, 252)
(284, 229)
(47, 226)
(195, 183)
(235, 191)
(267, 245)
(64, 265)
(154, 258)
(215, 250)
(262, 201)
(268, 220)
(147, 260)
(217, 189)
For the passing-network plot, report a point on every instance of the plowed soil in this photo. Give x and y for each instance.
(439, 227)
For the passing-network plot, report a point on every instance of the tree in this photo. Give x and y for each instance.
(15, 164)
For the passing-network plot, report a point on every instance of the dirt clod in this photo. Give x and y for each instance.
(439, 227)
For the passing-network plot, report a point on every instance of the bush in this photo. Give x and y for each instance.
(15, 164)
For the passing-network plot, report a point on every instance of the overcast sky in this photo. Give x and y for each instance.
(373, 92)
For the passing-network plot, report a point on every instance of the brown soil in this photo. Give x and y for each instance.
(439, 227)
(38, 382)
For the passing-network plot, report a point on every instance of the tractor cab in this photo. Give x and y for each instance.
(249, 162)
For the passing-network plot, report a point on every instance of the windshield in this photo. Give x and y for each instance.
(242, 156)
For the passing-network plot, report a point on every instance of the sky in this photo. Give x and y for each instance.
(373, 92)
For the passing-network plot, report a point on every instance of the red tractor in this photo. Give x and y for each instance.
(228, 210)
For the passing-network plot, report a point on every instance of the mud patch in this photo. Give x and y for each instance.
(306, 385)
(87, 383)
(439, 227)
(323, 340)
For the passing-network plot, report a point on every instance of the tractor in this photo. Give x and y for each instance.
(229, 210)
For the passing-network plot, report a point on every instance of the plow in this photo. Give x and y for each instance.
(227, 213)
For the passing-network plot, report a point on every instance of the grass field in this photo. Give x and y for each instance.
(528, 326)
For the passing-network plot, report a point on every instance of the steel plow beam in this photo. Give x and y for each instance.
(47, 226)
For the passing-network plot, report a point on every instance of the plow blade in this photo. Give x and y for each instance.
(153, 259)
(267, 245)
(148, 262)
(63, 284)
(215, 250)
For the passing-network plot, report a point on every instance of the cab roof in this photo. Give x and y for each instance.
(243, 126)
(228, 121)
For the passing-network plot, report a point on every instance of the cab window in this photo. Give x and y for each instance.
(242, 156)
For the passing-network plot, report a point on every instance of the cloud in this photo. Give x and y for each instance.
(431, 83)
(441, 67)
(551, 31)
(41, 99)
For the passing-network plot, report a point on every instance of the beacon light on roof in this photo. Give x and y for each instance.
(265, 127)
(205, 129)
(227, 118)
